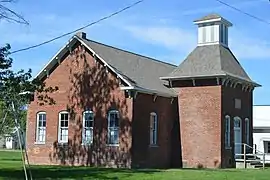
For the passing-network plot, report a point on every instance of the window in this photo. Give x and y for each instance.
(221, 33)
(41, 127)
(153, 128)
(266, 146)
(88, 125)
(226, 35)
(227, 131)
(247, 130)
(237, 122)
(113, 127)
(237, 103)
(63, 127)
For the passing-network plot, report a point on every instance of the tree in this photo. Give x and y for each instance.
(10, 15)
(12, 86)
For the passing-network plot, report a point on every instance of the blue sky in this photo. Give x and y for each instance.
(160, 29)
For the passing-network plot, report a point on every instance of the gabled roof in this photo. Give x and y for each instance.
(210, 61)
(140, 72)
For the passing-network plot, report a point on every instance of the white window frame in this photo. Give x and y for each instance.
(153, 129)
(113, 129)
(227, 132)
(91, 129)
(247, 130)
(62, 128)
(41, 129)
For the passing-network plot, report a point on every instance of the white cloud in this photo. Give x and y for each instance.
(42, 28)
(175, 39)
(249, 48)
(182, 41)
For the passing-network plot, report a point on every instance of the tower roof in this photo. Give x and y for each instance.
(213, 17)
(210, 61)
(208, 17)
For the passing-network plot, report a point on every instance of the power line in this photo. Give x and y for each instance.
(83, 27)
(243, 12)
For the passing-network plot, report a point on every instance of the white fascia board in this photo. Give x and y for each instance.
(207, 21)
(148, 91)
(208, 43)
(214, 20)
(54, 58)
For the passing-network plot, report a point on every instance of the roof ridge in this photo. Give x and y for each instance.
(144, 56)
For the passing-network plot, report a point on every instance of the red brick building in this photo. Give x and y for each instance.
(121, 109)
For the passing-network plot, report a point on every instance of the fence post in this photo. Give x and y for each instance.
(263, 160)
(245, 163)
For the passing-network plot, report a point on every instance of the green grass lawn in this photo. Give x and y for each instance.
(11, 168)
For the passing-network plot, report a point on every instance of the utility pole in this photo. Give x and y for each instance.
(17, 126)
(19, 130)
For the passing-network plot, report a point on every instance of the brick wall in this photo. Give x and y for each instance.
(83, 83)
(200, 125)
(162, 155)
(229, 94)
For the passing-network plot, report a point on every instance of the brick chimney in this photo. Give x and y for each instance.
(81, 35)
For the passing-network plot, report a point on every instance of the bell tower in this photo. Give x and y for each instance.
(212, 29)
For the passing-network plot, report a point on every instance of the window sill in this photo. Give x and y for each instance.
(39, 143)
(153, 145)
(113, 145)
(228, 148)
(87, 144)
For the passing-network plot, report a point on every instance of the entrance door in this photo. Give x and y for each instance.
(237, 136)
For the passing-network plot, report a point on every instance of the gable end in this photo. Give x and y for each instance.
(67, 49)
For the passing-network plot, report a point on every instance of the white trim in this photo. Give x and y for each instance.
(54, 57)
(218, 20)
(39, 143)
(59, 126)
(38, 128)
(207, 21)
(148, 91)
(89, 128)
(212, 43)
(153, 136)
(113, 128)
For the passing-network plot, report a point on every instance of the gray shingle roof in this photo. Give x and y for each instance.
(143, 72)
(208, 17)
(211, 60)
